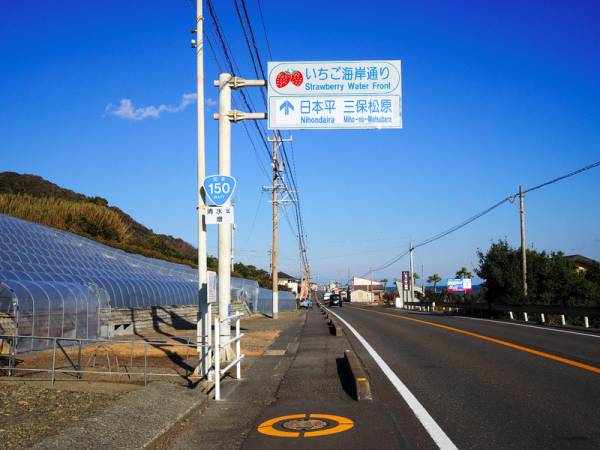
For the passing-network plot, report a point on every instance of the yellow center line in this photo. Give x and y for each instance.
(532, 351)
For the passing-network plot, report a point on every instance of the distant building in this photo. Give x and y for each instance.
(583, 263)
(292, 283)
(363, 290)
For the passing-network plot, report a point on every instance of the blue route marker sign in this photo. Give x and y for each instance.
(218, 189)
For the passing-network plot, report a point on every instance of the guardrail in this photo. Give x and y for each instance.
(513, 311)
(220, 346)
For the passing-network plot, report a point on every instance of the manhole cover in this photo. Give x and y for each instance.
(304, 424)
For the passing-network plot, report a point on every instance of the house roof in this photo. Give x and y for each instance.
(283, 275)
(583, 260)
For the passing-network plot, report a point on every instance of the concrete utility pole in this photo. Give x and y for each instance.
(225, 230)
(523, 246)
(276, 140)
(412, 273)
(423, 280)
(371, 296)
(225, 116)
(203, 325)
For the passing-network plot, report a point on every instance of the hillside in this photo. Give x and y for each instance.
(33, 198)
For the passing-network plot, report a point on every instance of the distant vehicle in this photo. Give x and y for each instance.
(344, 295)
(335, 300)
(326, 296)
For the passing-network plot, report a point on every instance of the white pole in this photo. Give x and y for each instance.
(217, 361)
(202, 325)
(563, 320)
(274, 264)
(412, 278)
(238, 350)
(224, 286)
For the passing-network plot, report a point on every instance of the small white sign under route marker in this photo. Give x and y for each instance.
(217, 215)
(211, 286)
(340, 94)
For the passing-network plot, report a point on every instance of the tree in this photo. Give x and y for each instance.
(416, 276)
(552, 279)
(435, 279)
(463, 273)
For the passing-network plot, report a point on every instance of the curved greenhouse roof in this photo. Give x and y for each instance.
(48, 277)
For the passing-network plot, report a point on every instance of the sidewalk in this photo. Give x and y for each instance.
(139, 418)
(305, 374)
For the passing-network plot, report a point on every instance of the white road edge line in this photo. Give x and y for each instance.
(530, 326)
(437, 434)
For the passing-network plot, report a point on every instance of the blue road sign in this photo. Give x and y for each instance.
(218, 189)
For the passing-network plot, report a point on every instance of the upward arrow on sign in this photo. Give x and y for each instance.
(286, 106)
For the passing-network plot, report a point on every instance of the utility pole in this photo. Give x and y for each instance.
(371, 296)
(412, 273)
(274, 262)
(203, 318)
(523, 246)
(423, 280)
(225, 116)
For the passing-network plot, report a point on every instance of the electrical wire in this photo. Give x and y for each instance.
(472, 219)
(262, 20)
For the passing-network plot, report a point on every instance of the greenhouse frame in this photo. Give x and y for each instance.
(58, 284)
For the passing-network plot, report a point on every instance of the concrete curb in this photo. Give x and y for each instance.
(334, 325)
(359, 376)
(336, 328)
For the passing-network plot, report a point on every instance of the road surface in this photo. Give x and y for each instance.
(487, 384)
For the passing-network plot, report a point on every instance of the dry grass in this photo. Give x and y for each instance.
(75, 216)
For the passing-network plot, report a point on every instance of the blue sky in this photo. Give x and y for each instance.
(494, 95)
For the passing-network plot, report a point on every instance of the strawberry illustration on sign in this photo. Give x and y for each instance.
(297, 78)
(284, 78)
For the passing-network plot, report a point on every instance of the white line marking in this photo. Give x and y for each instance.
(437, 434)
(529, 326)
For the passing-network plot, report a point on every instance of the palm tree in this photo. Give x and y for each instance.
(435, 279)
(464, 273)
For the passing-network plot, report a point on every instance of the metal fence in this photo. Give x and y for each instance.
(583, 317)
(131, 360)
(264, 302)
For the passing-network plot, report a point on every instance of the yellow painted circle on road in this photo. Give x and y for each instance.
(333, 424)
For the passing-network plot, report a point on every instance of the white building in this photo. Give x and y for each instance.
(292, 283)
(364, 290)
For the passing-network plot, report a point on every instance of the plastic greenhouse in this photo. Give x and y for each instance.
(57, 284)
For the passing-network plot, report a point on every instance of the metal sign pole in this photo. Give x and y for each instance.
(224, 285)
(225, 116)
(202, 325)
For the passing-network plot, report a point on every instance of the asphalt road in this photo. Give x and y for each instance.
(487, 384)
(313, 385)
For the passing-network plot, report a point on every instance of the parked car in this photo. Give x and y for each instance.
(335, 300)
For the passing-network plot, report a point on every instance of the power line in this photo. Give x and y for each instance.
(256, 59)
(472, 219)
(570, 174)
(262, 20)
